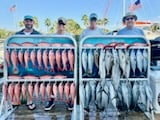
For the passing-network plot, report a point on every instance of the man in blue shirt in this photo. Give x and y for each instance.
(129, 20)
(92, 29)
(28, 30)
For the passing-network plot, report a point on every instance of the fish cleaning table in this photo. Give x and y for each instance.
(39, 64)
(112, 70)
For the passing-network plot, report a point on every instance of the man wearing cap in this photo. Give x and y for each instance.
(60, 31)
(92, 29)
(28, 30)
(129, 20)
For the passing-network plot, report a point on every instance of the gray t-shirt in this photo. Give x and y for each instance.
(89, 31)
(64, 33)
(134, 31)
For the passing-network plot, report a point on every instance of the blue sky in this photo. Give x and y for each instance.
(72, 9)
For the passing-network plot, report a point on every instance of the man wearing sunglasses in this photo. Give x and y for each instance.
(60, 31)
(92, 29)
(129, 20)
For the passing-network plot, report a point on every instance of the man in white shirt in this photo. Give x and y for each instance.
(60, 31)
(92, 29)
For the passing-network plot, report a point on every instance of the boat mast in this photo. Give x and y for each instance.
(124, 8)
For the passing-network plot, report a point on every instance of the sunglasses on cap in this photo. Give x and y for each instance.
(131, 18)
(61, 22)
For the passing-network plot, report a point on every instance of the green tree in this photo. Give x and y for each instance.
(47, 24)
(85, 20)
(21, 24)
(36, 22)
(73, 27)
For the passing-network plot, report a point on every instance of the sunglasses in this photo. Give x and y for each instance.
(129, 18)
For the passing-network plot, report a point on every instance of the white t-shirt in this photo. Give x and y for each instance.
(89, 31)
(27, 33)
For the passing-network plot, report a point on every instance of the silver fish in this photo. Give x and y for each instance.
(101, 59)
(115, 71)
(145, 60)
(96, 58)
(82, 94)
(93, 89)
(98, 96)
(135, 93)
(84, 60)
(108, 61)
(112, 95)
(88, 94)
(139, 58)
(125, 94)
(133, 61)
(105, 97)
(122, 60)
(128, 66)
(142, 100)
(90, 62)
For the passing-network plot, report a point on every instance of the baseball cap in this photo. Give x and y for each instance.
(28, 17)
(62, 20)
(93, 16)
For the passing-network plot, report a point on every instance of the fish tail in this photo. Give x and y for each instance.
(52, 70)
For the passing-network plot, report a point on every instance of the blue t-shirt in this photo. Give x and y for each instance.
(134, 31)
(89, 31)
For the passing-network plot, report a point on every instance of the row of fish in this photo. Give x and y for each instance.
(139, 95)
(41, 44)
(61, 91)
(63, 60)
(127, 63)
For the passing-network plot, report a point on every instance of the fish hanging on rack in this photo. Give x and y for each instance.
(73, 92)
(55, 91)
(90, 62)
(26, 58)
(45, 59)
(128, 65)
(14, 59)
(71, 59)
(93, 89)
(84, 61)
(64, 60)
(24, 91)
(133, 61)
(36, 90)
(42, 91)
(82, 94)
(17, 93)
(88, 95)
(58, 60)
(30, 91)
(7, 58)
(122, 60)
(5, 91)
(21, 57)
(11, 91)
(108, 61)
(61, 90)
(139, 58)
(115, 70)
(52, 60)
(145, 60)
(96, 58)
(135, 93)
(67, 91)
(33, 58)
(49, 91)
(39, 58)
(98, 100)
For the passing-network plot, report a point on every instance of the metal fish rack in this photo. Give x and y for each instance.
(98, 43)
(36, 39)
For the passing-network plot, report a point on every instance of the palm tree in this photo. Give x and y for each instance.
(85, 20)
(21, 24)
(47, 23)
(36, 22)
